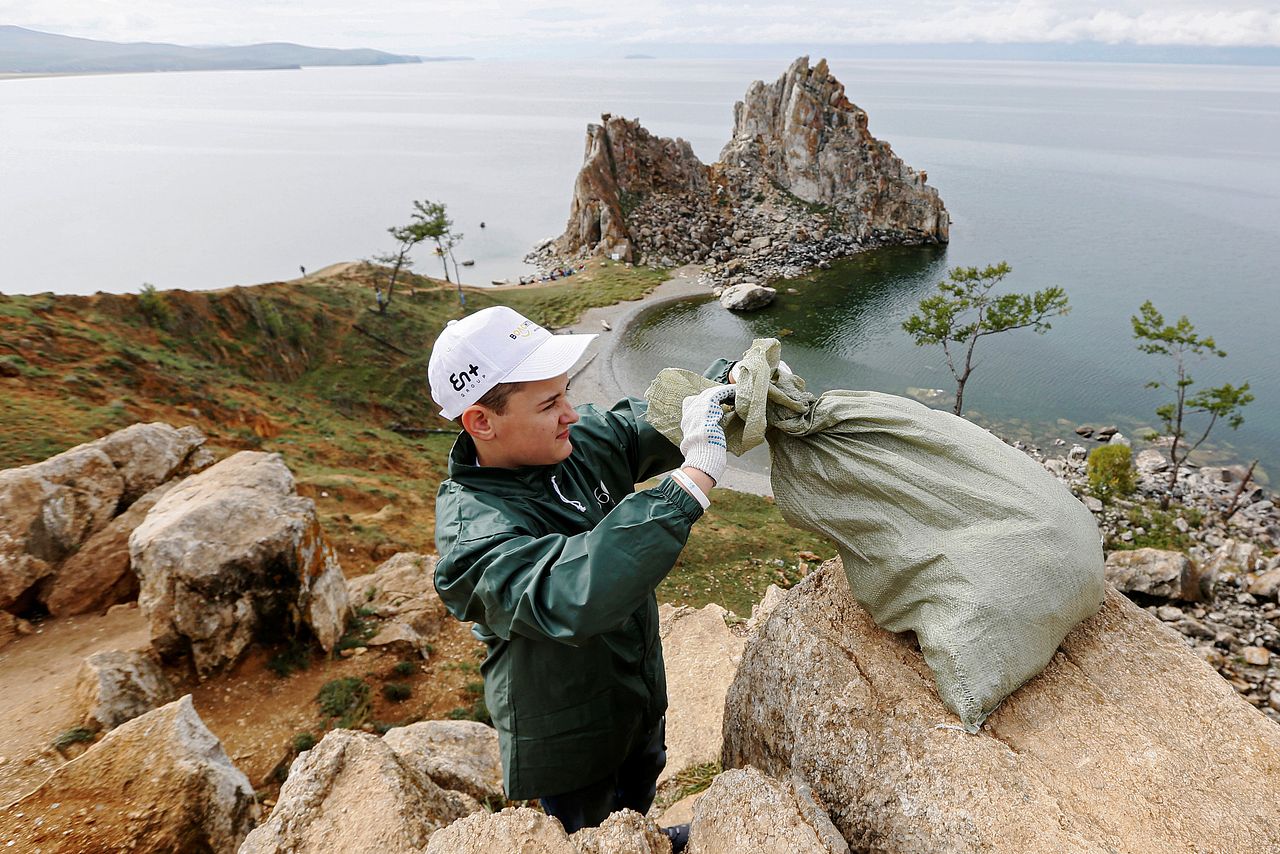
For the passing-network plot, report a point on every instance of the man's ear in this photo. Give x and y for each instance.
(476, 421)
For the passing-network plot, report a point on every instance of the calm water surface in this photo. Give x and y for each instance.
(1118, 182)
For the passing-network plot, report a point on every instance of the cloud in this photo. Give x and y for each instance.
(452, 26)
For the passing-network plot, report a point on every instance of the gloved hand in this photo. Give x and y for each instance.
(783, 368)
(703, 444)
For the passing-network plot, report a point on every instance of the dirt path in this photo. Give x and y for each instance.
(37, 681)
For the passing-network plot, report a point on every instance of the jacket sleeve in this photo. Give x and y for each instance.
(560, 587)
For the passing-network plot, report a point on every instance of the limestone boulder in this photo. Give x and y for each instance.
(147, 455)
(117, 686)
(518, 830)
(625, 832)
(458, 755)
(1151, 461)
(159, 783)
(402, 594)
(232, 554)
(47, 510)
(1155, 572)
(352, 793)
(743, 810)
(761, 610)
(1124, 707)
(1266, 584)
(702, 656)
(100, 574)
(747, 297)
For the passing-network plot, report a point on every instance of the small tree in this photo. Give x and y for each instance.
(429, 221)
(1178, 342)
(965, 310)
(436, 223)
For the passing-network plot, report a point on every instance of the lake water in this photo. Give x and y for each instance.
(1118, 182)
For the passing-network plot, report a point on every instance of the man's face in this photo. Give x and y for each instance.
(534, 429)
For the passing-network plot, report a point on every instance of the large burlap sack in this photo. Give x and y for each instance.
(944, 529)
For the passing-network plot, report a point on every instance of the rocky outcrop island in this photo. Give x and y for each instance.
(800, 183)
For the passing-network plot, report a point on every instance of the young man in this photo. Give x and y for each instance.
(546, 546)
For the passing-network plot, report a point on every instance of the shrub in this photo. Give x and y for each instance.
(396, 692)
(1110, 471)
(345, 701)
(72, 736)
(404, 668)
(303, 741)
(153, 306)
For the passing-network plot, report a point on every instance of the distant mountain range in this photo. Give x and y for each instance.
(29, 51)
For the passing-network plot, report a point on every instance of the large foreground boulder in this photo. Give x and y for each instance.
(160, 783)
(352, 793)
(233, 554)
(701, 655)
(1125, 742)
(458, 755)
(59, 509)
(519, 830)
(623, 832)
(744, 810)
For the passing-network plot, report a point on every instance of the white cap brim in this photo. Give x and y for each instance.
(556, 356)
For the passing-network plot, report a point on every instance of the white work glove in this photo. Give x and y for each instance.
(703, 444)
(783, 368)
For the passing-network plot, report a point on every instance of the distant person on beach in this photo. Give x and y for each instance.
(546, 546)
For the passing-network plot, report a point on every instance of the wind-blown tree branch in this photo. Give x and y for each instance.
(964, 310)
(435, 219)
(1179, 342)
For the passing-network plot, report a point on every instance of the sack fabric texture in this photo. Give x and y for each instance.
(944, 530)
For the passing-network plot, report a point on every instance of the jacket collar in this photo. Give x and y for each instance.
(463, 470)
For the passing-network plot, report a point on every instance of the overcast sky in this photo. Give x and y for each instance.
(498, 27)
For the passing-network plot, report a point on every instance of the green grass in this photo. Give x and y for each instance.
(396, 692)
(345, 701)
(476, 710)
(740, 547)
(75, 735)
(1158, 526)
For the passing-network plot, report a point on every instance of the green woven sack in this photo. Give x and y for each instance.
(944, 529)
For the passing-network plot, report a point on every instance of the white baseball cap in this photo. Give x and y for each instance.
(495, 345)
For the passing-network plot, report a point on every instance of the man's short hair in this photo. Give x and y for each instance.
(497, 397)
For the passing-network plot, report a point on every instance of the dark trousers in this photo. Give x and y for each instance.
(632, 786)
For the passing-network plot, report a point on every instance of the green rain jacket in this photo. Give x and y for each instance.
(556, 566)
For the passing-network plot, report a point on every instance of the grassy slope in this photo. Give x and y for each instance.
(308, 370)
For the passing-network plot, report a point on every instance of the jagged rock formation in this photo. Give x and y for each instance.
(849, 708)
(801, 182)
